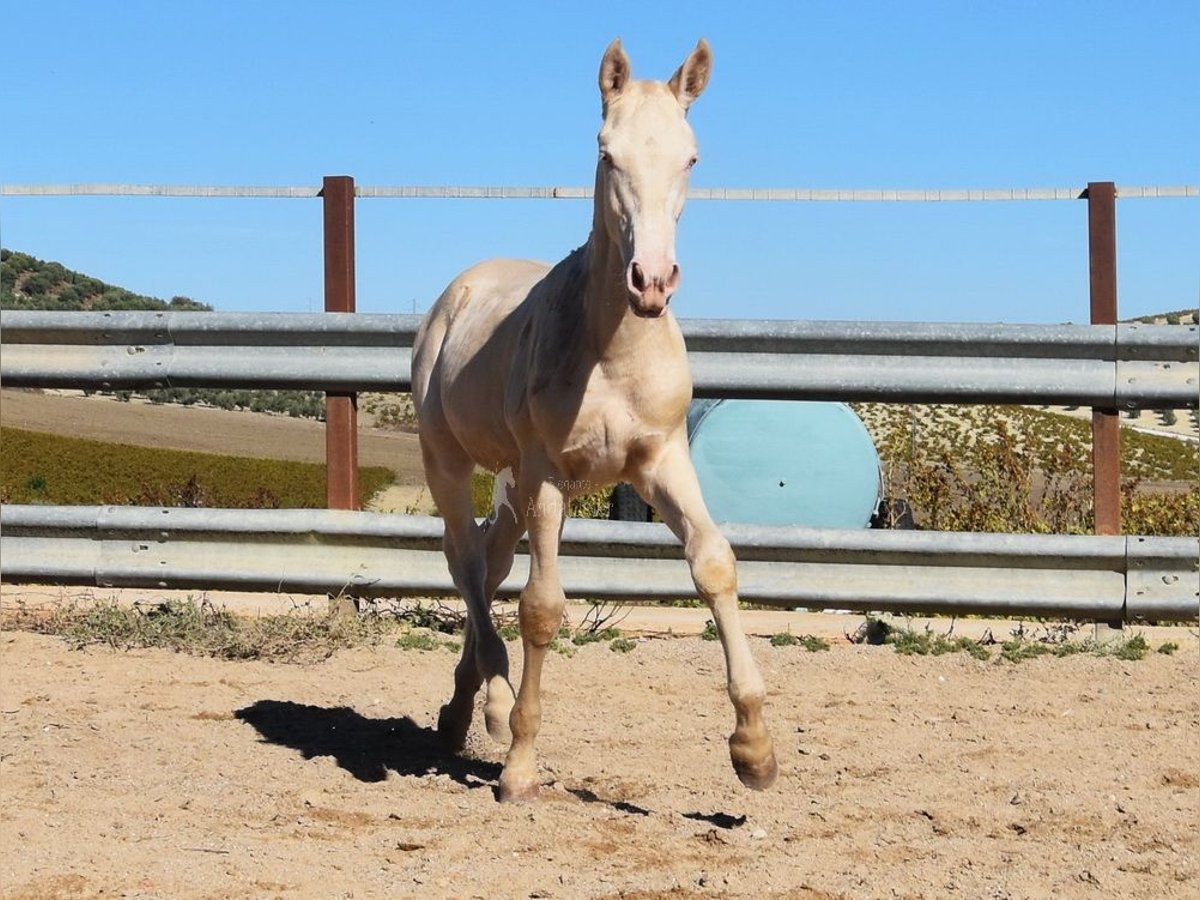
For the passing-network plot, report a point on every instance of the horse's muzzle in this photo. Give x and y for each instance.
(649, 295)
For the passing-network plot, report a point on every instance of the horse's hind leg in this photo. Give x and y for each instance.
(484, 658)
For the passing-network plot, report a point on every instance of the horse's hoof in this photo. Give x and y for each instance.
(517, 790)
(760, 776)
(452, 727)
(756, 770)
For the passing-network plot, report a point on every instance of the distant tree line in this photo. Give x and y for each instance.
(30, 283)
(297, 404)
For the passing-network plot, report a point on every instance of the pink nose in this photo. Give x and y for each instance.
(649, 293)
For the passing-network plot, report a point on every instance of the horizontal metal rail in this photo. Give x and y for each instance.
(372, 554)
(1111, 366)
(516, 192)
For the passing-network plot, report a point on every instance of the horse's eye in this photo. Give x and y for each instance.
(606, 157)
(693, 161)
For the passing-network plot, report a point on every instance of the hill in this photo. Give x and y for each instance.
(30, 283)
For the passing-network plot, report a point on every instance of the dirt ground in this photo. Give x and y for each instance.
(151, 774)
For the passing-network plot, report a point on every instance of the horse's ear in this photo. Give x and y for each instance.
(691, 78)
(614, 72)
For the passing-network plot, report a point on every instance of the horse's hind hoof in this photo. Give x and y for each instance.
(452, 727)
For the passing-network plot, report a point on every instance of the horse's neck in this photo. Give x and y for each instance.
(613, 329)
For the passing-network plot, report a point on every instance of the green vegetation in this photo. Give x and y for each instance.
(425, 640)
(200, 629)
(1022, 645)
(390, 410)
(913, 643)
(579, 638)
(1177, 317)
(30, 283)
(45, 468)
(810, 642)
(1014, 469)
(297, 404)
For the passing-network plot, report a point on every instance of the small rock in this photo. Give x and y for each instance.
(310, 799)
(758, 834)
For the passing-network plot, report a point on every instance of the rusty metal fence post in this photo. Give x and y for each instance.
(1106, 437)
(341, 409)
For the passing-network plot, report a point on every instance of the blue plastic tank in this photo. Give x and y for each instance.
(782, 462)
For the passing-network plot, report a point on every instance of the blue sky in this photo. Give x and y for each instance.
(803, 95)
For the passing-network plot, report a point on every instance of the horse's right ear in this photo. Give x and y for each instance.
(614, 72)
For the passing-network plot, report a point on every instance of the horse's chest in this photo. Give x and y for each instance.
(616, 429)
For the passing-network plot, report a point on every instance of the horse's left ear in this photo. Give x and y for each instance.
(691, 78)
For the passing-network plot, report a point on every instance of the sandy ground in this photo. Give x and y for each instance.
(151, 774)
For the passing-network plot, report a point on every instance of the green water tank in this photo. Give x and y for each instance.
(780, 462)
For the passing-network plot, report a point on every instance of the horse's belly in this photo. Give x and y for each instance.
(477, 356)
(474, 410)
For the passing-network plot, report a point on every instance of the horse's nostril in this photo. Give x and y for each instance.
(673, 278)
(637, 278)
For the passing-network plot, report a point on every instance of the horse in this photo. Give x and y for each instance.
(566, 379)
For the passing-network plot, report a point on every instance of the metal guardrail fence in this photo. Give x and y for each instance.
(571, 192)
(1112, 366)
(1105, 365)
(372, 554)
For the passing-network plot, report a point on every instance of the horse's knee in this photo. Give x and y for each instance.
(714, 569)
(540, 613)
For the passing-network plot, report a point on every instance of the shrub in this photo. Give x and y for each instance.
(1014, 469)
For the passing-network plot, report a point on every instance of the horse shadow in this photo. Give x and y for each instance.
(370, 748)
(366, 748)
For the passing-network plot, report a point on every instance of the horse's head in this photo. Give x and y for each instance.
(647, 150)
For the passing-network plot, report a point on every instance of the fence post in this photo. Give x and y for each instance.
(1106, 424)
(1106, 437)
(341, 409)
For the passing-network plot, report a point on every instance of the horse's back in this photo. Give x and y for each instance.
(468, 313)
(465, 350)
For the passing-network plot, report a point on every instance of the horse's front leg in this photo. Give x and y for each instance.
(669, 484)
(540, 612)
